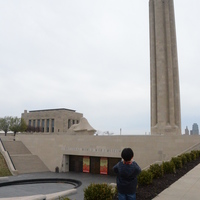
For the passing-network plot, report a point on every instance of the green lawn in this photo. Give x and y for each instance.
(4, 171)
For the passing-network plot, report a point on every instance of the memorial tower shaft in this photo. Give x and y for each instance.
(165, 93)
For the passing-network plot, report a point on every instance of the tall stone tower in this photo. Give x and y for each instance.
(165, 94)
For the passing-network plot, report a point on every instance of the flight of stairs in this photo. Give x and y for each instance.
(24, 161)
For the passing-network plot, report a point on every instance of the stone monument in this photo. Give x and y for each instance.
(165, 94)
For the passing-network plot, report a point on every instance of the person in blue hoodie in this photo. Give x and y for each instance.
(127, 171)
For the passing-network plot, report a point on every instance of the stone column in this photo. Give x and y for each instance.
(165, 94)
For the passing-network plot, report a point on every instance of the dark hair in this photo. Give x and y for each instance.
(127, 154)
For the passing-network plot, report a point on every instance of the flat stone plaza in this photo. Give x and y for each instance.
(186, 188)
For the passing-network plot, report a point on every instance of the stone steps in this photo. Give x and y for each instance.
(28, 164)
(23, 160)
(15, 147)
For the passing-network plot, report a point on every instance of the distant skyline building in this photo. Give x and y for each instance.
(186, 131)
(195, 129)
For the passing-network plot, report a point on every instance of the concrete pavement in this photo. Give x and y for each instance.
(48, 188)
(186, 188)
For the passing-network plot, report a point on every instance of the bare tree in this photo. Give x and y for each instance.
(4, 124)
(17, 125)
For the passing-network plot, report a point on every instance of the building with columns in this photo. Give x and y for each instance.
(51, 120)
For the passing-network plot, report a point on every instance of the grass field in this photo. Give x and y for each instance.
(4, 171)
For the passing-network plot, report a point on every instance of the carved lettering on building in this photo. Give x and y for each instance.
(103, 150)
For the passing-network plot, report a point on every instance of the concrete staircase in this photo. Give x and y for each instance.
(23, 160)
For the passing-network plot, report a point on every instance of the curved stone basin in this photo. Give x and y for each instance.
(76, 183)
(44, 186)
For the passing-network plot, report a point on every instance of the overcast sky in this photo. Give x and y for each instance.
(93, 57)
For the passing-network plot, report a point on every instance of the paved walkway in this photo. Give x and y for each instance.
(186, 188)
(46, 188)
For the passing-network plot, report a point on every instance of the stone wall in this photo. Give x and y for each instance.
(147, 149)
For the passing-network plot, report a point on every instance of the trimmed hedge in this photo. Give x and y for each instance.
(98, 191)
(197, 153)
(169, 167)
(156, 170)
(193, 155)
(177, 162)
(188, 156)
(145, 177)
(183, 159)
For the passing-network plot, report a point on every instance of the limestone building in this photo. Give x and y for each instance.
(51, 120)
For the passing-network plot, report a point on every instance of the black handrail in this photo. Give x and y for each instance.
(11, 160)
(2, 144)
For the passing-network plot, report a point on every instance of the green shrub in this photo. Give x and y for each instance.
(188, 156)
(156, 170)
(145, 178)
(193, 155)
(98, 191)
(197, 152)
(177, 162)
(183, 159)
(169, 167)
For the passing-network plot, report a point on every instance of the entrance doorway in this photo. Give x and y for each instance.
(76, 163)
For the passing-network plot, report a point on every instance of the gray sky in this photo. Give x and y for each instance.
(93, 57)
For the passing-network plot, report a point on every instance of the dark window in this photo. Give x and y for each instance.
(52, 125)
(69, 123)
(47, 125)
(34, 123)
(38, 128)
(43, 125)
(38, 123)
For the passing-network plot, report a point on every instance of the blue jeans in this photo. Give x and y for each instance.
(126, 196)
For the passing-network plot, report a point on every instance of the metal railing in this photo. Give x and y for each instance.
(2, 144)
